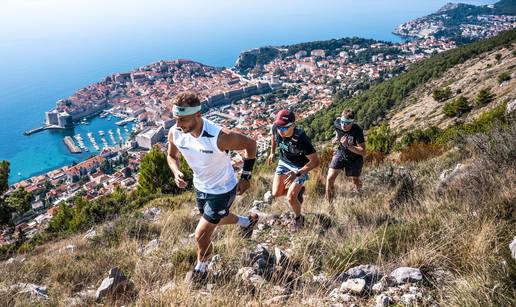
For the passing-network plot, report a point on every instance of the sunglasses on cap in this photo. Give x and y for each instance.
(284, 128)
(345, 121)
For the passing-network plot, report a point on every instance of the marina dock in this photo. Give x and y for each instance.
(71, 145)
(38, 129)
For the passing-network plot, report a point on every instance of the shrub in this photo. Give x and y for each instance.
(380, 139)
(441, 95)
(420, 151)
(503, 77)
(457, 107)
(483, 97)
(374, 157)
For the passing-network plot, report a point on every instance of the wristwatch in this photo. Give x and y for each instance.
(298, 173)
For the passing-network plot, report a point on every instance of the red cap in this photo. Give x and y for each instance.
(284, 117)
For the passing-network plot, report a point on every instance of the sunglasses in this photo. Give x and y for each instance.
(284, 128)
(345, 121)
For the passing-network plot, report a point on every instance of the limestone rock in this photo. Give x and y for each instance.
(90, 234)
(370, 273)
(35, 291)
(267, 197)
(383, 300)
(512, 247)
(354, 285)
(113, 284)
(151, 214)
(409, 299)
(245, 273)
(151, 246)
(405, 275)
(511, 107)
(447, 177)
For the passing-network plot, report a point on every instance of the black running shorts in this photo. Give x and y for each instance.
(352, 168)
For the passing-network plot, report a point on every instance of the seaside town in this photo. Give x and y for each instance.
(442, 24)
(305, 81)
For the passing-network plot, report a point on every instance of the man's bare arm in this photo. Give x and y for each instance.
(313, 162)
(359, 149)
(230, 140)
(173, 156)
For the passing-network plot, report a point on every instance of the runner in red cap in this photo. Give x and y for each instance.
(297, 156)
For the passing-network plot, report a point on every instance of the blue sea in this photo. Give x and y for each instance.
(51, 48)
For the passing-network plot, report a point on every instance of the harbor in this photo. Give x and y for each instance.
(77, 144)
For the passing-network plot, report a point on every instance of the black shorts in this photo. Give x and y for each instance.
(352, 168)
(214, 207)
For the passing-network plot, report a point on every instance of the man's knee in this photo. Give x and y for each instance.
(276, 193)
(332, 175)
(202, 236)
(199, 235)
(292, 195)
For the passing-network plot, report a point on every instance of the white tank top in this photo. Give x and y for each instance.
(212, 169)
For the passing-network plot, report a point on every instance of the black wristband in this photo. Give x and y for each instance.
(248, 165)
(245, 176)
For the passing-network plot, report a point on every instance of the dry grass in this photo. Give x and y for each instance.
(463, 232)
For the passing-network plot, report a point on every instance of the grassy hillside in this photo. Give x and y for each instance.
(456, 231)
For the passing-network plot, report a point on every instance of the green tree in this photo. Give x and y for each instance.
(380, 139)
(19, 200)
(61, 221)
(457, 107)
(106, 167)
(484, 97)
(441, 95)
(155, 175)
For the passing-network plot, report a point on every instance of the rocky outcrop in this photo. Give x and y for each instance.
(259, 56)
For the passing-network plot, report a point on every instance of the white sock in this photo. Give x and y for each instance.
(243, 221)
(201, 266)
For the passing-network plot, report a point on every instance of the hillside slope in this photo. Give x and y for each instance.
(421, 110)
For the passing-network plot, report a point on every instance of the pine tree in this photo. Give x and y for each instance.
(19, 200)
(155, 174)
(484, 97)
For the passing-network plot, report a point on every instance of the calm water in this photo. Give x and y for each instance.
(50, 48)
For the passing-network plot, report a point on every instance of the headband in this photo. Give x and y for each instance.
(345, 121)
(183, 111)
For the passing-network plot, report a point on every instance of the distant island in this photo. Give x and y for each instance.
(463, 23)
